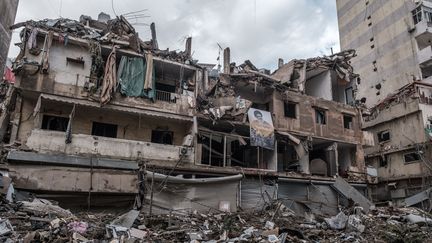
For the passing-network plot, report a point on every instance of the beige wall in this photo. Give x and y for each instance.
(396, 167)
(305, 123)
(394, 47)
(404, 132)
(130, 126)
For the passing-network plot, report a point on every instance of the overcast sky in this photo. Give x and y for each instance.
(258, 30)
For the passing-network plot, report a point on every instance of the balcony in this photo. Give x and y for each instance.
(425, 57)
(423, 33)
(166, 96)
(47, 142)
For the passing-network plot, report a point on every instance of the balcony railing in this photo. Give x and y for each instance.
(166, 96)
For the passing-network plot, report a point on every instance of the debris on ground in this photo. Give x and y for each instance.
(25, 221)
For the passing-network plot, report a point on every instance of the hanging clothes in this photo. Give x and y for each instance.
(136, 78)
(45, 60)
(109, 82)
(31, 41)
(9, 76)
(148, 82)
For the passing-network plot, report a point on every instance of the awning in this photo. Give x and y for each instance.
(134, 110)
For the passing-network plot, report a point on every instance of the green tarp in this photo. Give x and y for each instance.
(131, 75)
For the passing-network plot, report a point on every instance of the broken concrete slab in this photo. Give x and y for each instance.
(5, 227)
(418, 198)
(344, 188)
(43, 207)
(126, 220)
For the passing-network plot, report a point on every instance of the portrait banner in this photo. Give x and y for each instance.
(261, 129)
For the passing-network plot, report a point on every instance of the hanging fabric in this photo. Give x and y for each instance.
(45, 60)
(110, 78)
(136, 77)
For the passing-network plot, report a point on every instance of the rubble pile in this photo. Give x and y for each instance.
(41, 220)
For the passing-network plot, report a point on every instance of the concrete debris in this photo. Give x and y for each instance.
(270, 224)
(5, 227)
(126, 220)
(337, 222)
(417, 219)
(43, 207)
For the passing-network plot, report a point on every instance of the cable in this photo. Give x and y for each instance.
(112, 6)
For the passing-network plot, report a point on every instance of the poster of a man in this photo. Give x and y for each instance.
(261, 128)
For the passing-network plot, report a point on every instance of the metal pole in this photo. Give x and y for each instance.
(151, 194)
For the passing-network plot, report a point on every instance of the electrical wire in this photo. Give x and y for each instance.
(112, 6)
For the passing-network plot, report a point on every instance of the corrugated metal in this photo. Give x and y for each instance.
(255, 193)
(187, 195)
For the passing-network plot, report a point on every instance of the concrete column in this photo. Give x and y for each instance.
(153, 34)
(271, 156)
(227, 60)
(280, 62)
(332, 159)
(304, 163)
(188, 47)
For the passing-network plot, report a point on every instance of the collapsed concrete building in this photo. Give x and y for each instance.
(402, 124)
(100, 116)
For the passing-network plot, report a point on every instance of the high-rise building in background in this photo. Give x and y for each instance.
(394, 61)
(8, 9)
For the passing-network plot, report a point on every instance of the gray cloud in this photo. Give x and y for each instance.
(261, 30)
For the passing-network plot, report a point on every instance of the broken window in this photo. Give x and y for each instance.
(320, 116)
(349, 96)
(162, 137)
(264, 107)
(348, 122)
(55, 123)
(104, 130)
(412, 157)
(383, 160)
(290, 109)
(417, 14)
(383, 136)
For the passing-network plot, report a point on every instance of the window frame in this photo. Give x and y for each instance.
(416, 160)
(66, 119)
(324, 115)
(106, 125)
(162, 131)
(351, 123)
(383, 160)
(379, 134)
(295, 104)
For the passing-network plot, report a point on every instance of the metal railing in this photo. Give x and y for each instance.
(166, 96)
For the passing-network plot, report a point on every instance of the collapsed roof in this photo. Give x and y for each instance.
(117, 31)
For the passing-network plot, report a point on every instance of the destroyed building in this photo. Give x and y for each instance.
(392, 40)
(102, 116)
(401, 125)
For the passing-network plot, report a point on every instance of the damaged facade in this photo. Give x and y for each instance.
(392, 39)
(401, 125)
(8, 9)
(101, 113)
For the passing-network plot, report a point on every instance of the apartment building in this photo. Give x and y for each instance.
(8, 9)
(104, 117)
(392, 42)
